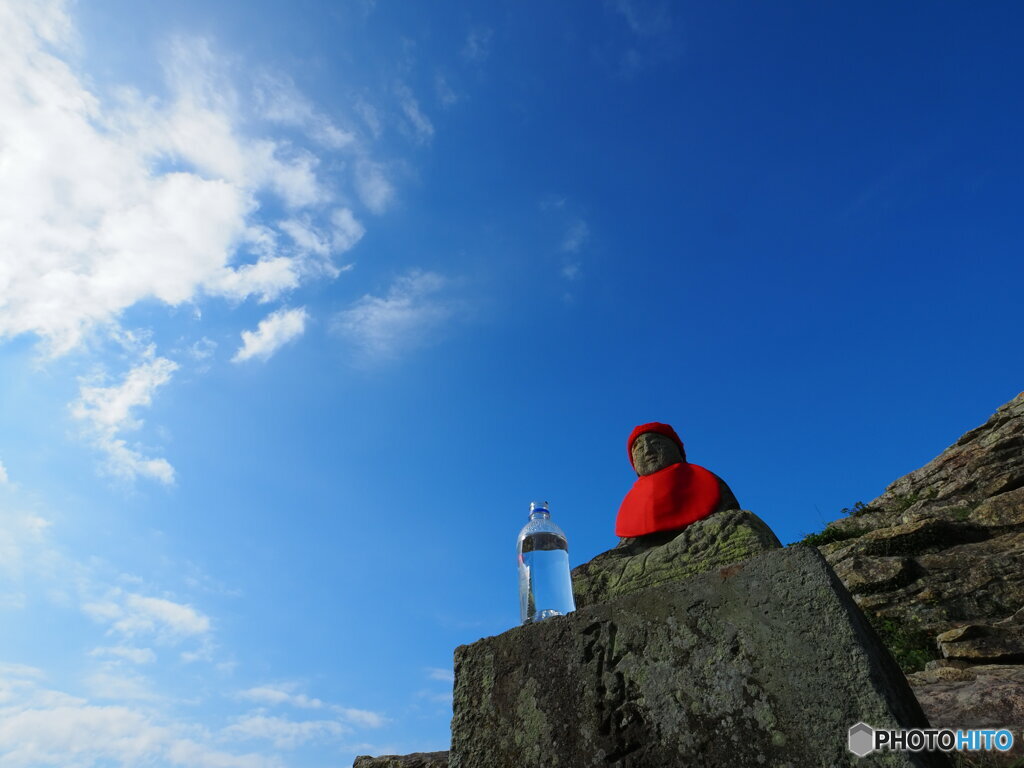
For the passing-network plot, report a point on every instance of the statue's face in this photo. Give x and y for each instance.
(652, 451)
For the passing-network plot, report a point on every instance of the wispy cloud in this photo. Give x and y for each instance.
(423, 129)
(373, 187)
(444, 92)
(280, 694)
(278, 100)
(653, 27)
(24, 554)
(158, 197)
(3, 474)
(346, 230)
(576, 235)
(362, 717)
(645, 19)
(118, 686)
(118, 715)
(477, 47)
(282, 732)
(444, 675)
(133, 615)
(98, 229)
(285, 694)
(272, 333)
(409, 314)
(45, 727)
(127, 653)
(107, 412)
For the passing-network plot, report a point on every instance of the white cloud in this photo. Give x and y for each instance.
(108, 411)
(41, 727)
(284, 694)
(362, 717)
(132, 615)
(347, 231)
(21, 542)
(272, 333)
(318, 243)
(120, 717)
(81, 735)
(373, 187)
(128, 653)
(110, 408)
(280, 101)
(267, 279)
(25, 556)
(108, 685)
(382, 326)
(24, 674)
(280, 694)
(105, 204)
(202, 350)
(3, 473)
(306, 237)
(284, 733)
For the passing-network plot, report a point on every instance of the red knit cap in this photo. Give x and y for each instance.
(654, 426)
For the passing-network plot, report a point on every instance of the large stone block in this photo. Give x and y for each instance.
(764, 663)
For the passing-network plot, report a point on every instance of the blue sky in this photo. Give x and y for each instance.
(302, 304)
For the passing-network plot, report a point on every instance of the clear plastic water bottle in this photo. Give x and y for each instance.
(545, 586)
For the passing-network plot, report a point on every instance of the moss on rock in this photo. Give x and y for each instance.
(716, 541)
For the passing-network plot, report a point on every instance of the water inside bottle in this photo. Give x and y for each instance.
(546, 571)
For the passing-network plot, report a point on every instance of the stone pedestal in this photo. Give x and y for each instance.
(767, 662)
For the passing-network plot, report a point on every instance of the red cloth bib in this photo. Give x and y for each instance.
(670, 498)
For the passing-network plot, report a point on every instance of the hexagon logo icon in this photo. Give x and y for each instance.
(861, 739)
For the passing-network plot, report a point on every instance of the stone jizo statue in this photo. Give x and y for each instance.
(670, 493)
(677, 520)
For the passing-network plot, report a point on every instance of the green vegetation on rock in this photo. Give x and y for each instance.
(859, 508)
(902, 502)
(832, 534)
(961, 514)
(910, 645)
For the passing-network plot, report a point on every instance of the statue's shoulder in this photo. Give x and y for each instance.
(726, 498)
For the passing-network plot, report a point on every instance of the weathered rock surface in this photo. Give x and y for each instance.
(985, 642)
(943, 547)
(416, 760)
(767, 662)
(714, 542)
(941, 553)
(972, 696)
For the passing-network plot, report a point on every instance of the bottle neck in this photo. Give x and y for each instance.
(540, 514)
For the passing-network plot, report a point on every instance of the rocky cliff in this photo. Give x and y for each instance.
(937, 563)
